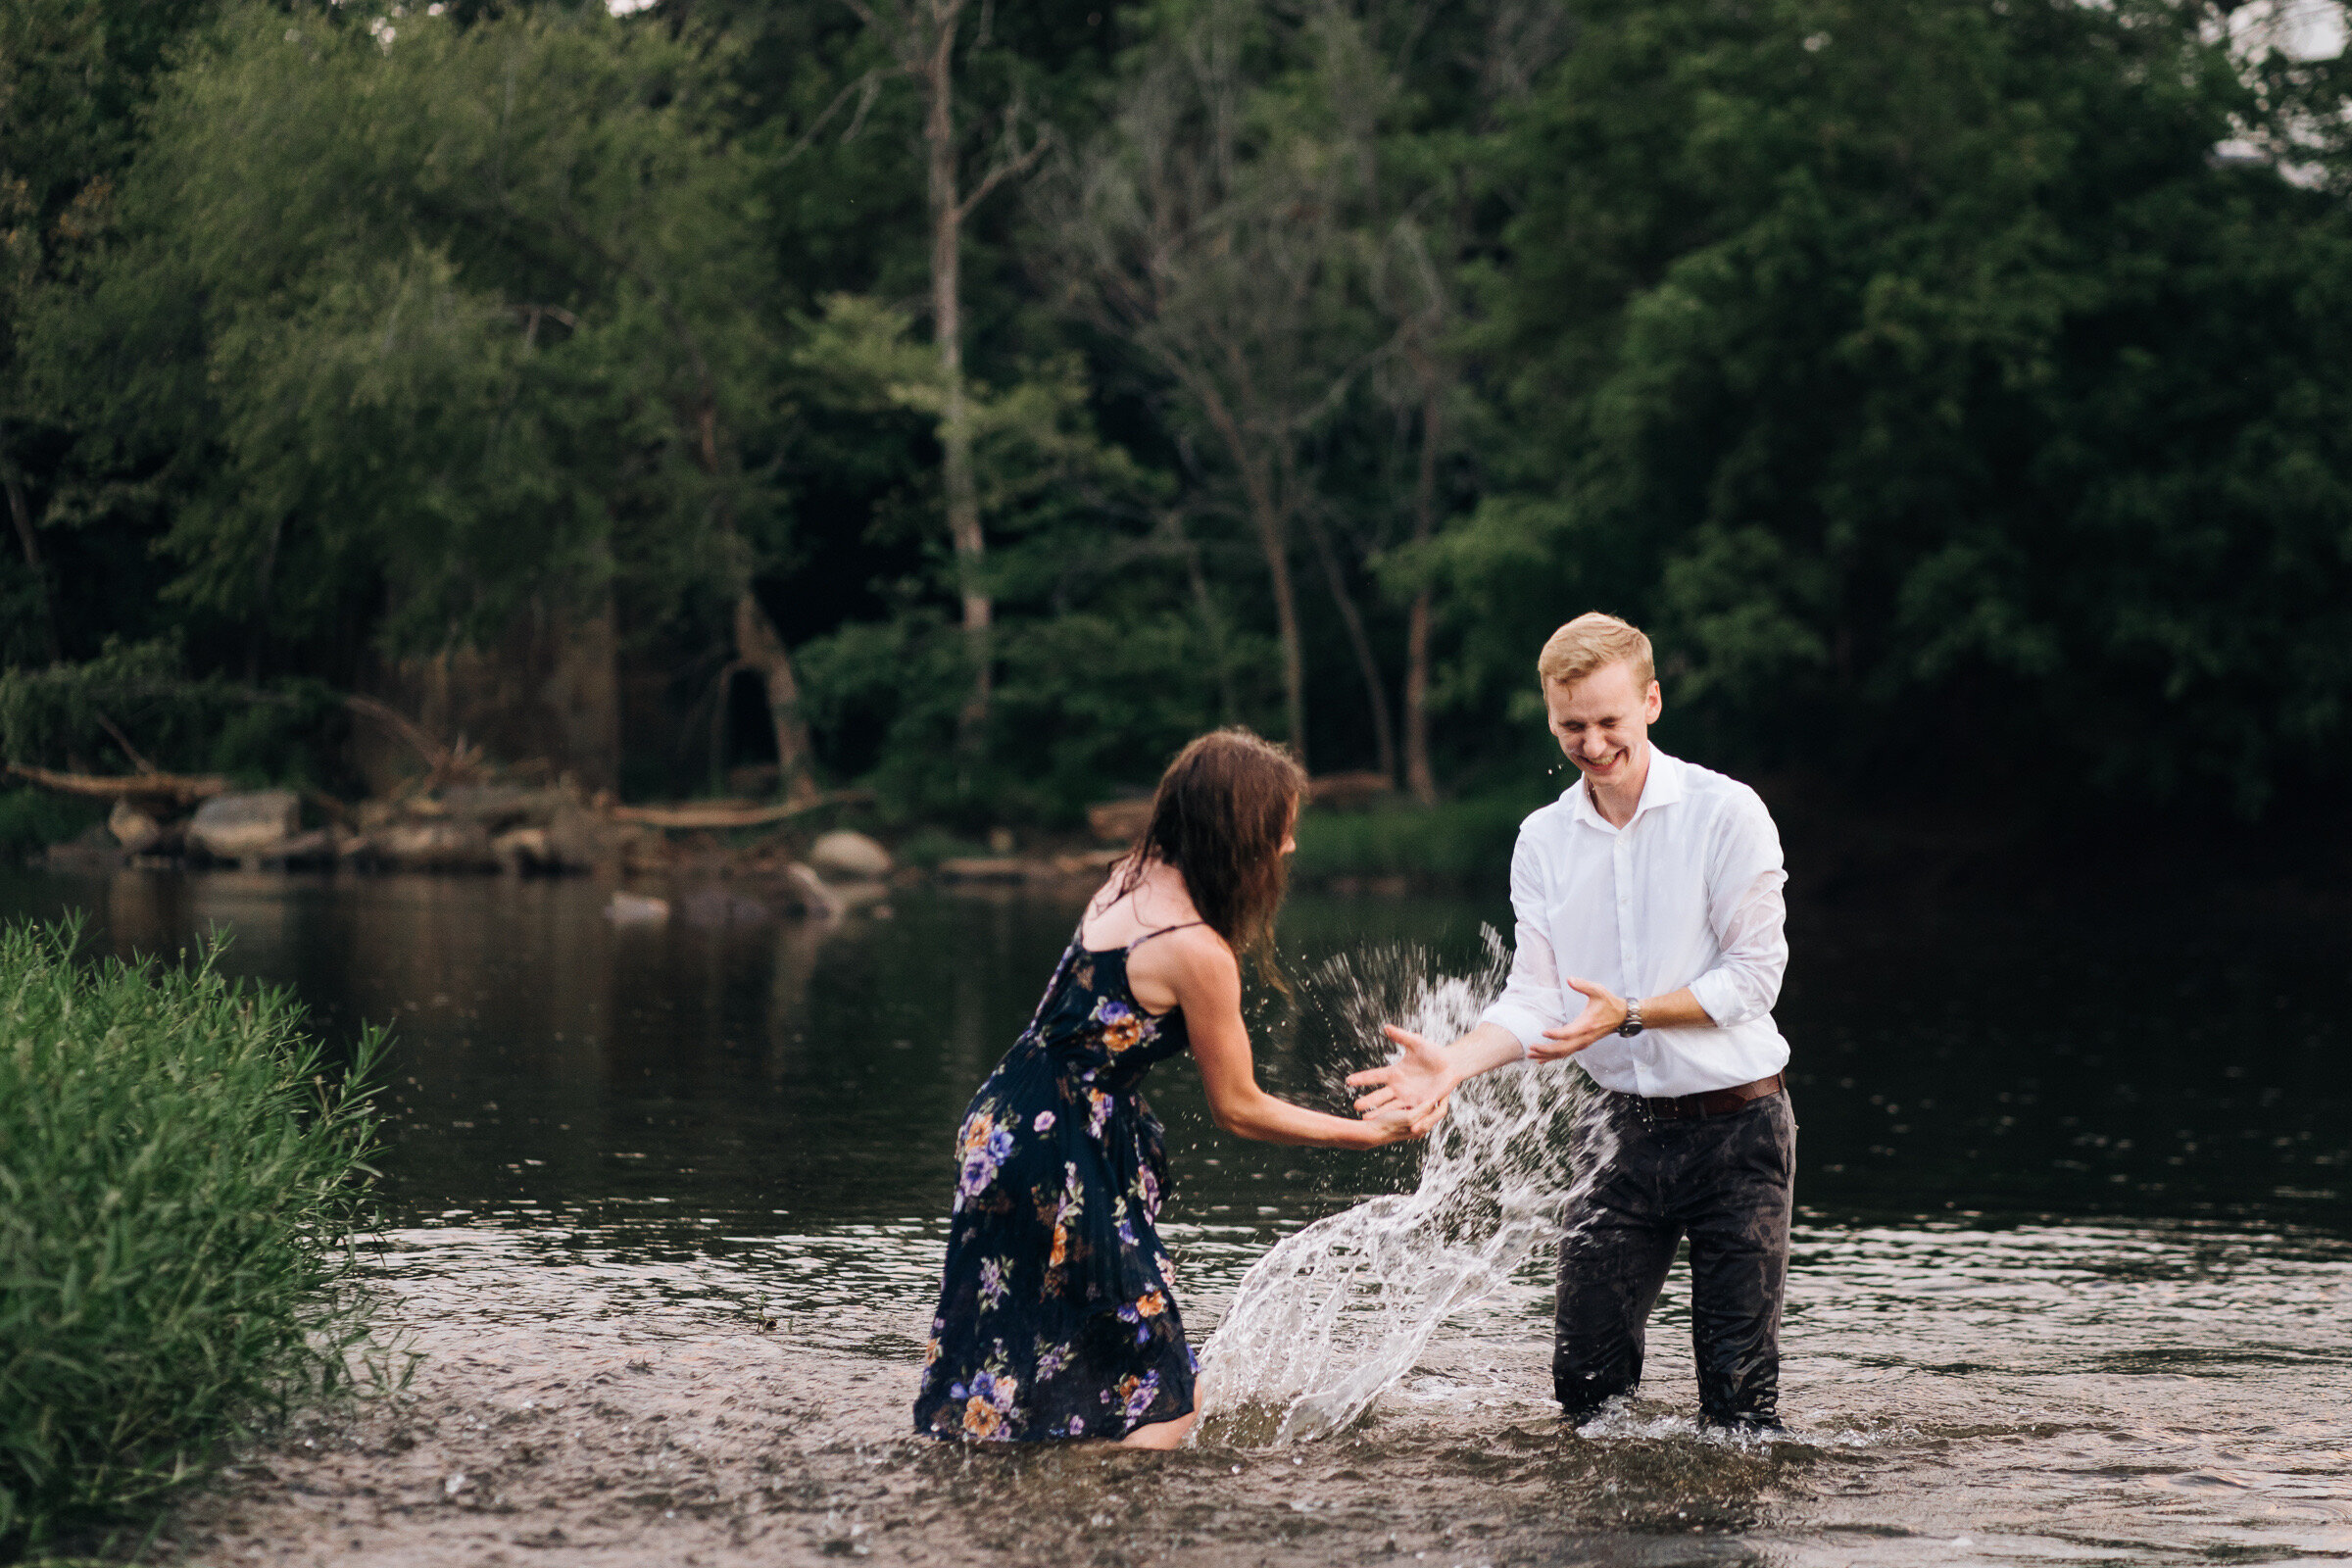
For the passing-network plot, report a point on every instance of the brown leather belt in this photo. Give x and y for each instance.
(1707, 1102)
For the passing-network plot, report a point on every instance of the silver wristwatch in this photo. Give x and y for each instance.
(1633, 1020)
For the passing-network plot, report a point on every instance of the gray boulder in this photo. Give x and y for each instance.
(634, 908)
(233, 827)
(846, 856)
(809, 893)
(133, 829)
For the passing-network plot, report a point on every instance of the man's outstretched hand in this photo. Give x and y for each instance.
(1415, 1084)
(1604, 1012)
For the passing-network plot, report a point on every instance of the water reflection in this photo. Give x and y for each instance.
(2072, 1284)
(1957, 1060)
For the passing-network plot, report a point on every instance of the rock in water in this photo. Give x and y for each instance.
(232, 827)
(525, 849)
(133, 829)
(810, 893)
(843, 855)
(630, 909)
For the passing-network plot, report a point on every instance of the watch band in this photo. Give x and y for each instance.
(1633, 1020)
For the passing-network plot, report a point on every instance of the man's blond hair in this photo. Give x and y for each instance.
(1591, 642)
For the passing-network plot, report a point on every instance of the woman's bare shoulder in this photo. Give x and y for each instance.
(1187, 955)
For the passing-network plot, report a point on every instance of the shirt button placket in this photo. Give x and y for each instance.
(1628, 955)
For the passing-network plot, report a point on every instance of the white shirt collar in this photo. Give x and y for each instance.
(1663, 787)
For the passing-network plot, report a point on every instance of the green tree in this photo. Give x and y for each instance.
(924, 39)
(474, 311)
(74, 77)
(1208, 239)
(1924, 379)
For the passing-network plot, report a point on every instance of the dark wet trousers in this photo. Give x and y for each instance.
(1724, 1182)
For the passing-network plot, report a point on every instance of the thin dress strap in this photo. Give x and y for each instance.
(1161, 932)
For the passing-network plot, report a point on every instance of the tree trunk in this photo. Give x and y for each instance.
(1266, 514)
(1273, 538)
(21, 511)
(963, 494)
(1384, 740)
(261, 584)
(1418, 775)
(760, 648)
(579, 696)
(1228, 709)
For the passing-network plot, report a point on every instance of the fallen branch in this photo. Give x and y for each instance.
(715, 814)
(124, 741)
(181, 790)
(436, 755)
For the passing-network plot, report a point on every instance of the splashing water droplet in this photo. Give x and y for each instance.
(1335, 1316)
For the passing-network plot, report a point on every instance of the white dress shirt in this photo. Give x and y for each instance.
(1687, 893)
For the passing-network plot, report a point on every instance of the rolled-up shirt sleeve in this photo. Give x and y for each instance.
(1750, 915)
(1530, 1002)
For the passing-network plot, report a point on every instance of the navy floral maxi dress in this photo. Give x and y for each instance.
(1054, 1313)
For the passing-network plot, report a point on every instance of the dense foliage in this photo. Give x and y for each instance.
(177, 1194)
(1941, 383)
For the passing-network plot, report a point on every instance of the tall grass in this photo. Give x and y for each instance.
(179, 1182)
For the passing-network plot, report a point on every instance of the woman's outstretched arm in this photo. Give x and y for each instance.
(1201, 969)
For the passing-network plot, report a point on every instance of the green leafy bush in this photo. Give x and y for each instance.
(32, 819)
(178, 1191)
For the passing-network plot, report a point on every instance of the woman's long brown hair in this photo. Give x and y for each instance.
(1219, 817)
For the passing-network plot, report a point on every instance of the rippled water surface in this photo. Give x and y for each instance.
(2072, 1280)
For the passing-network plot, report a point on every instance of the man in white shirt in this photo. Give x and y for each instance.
(1649, 947)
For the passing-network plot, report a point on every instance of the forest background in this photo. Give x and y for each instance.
(970, 401)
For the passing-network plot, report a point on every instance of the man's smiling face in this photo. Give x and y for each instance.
(1602, 723)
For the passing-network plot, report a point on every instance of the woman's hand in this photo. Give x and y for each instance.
(1393, 1125)
(1414, 1084)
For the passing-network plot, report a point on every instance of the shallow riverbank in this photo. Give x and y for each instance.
(2045, 1395)
(2070, 1281)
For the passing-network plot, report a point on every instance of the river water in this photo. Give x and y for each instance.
(2072, 1281)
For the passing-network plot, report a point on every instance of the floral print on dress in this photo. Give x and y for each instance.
(1056, 1317)
(1147, 1307)
(984, 1146)
(1124, 1025)
(993, 1272)
(1134, 1396)
(990, 1406)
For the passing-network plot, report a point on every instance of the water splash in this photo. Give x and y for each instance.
(1334, 1315)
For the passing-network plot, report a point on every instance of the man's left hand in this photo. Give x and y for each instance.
(1604, 1012)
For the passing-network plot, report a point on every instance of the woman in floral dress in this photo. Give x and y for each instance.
(1055, 1315)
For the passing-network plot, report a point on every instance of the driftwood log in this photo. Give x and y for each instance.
(180, 789)
(721, 814)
